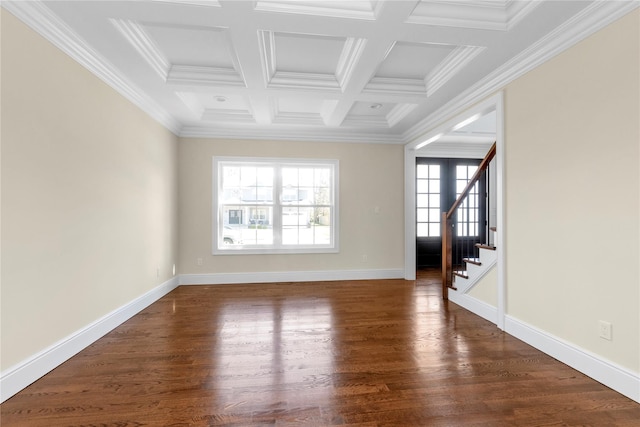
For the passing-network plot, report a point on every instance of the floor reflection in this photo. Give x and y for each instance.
(272, 346)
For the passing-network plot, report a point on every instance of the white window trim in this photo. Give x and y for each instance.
(216, 211)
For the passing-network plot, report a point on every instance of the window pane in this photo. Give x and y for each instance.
(289, 177)
(434, 200)
(247, 225)
(434, 186)
(322, 196)
(265, 176)
(305, 195)
(434, 229)
(422, 186)
(265, 194)
(249, 194)
(296, 226)
(322, 216)
(461, 172)
(322, 177)
(435, 215)
(248, 176)
(434, 171)
(422, 215)
(305, 176)
(422, 230)
(231, 176)
(422, 200)
(322, 234)
(422, 171)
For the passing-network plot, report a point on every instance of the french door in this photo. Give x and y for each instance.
(438, 184)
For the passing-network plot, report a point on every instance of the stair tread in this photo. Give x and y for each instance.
(475, 261)
(485, 246)
(461, 273)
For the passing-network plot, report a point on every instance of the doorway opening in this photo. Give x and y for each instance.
(459, 138)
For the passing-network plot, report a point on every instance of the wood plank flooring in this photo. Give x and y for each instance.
(356, 353)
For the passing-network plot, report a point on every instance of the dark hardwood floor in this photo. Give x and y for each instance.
(357, 353)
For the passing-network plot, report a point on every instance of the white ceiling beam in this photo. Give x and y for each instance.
(249, 57)
(392, 15)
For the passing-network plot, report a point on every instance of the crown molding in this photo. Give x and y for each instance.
(398, 113)
(591, 20)
(259, 133)
(140, 40)
(450, 66)
(40, 19)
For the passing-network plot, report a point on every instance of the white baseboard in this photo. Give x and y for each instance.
(14, 379)
(608, 373)
(289, 276)
(475, 306)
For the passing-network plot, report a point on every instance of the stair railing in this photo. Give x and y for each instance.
(448, 223)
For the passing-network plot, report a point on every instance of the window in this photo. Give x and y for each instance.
(428, 200)
(274, 205)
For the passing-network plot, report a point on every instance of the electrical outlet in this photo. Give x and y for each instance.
(604, 330)
(199, 261)
(365, 258)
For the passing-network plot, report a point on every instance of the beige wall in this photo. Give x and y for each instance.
(573, 194)
(486, 290)
(371, 175)
(89, 192)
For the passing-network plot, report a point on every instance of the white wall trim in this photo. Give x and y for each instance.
(604, 371)
(474, 305)
(289, 276)
(17, 377)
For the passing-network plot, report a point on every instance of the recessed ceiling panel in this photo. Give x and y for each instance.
(192, 45)
(483, 14)
(413, 60)
(302, 53)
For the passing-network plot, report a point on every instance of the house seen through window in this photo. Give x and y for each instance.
(274, 205)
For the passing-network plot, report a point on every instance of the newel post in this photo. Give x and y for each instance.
(447, 268)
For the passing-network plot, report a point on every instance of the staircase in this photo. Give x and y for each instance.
(475, 268)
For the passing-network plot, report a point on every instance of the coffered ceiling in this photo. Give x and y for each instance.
(362, 71)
